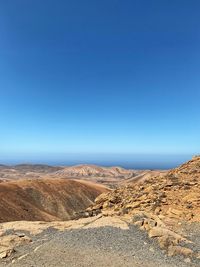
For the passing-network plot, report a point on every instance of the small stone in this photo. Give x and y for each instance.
(187, 260)
(3, 255)
(20, 234)
(151, 249)
(6, 253)
(138, 223)
(198, 256)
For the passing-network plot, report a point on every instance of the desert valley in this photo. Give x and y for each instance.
(88, 215)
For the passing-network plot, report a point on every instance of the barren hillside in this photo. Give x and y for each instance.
(97, 171)
(45, 199)
(26, 171)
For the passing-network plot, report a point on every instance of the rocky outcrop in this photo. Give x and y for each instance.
(160, 203)
(169, 240)
(175, 195)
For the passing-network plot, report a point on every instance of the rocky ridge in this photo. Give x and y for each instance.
(109, 176)
(96, 171)
(159, 205)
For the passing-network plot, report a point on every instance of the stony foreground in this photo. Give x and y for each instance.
(98, 241)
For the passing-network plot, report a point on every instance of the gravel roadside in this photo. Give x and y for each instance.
(96, 247)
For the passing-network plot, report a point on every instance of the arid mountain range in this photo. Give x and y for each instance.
(109, 176)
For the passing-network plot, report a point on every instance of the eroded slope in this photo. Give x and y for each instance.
(45, 199)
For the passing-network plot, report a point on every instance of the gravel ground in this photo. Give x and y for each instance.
(94, 247)
(192, 232)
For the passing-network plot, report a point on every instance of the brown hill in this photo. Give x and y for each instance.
(109, 176)
(45, 199)
(96, 171)
(42, 168)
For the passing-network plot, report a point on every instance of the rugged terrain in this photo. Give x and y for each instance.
(174, 194)
(150, 219)
(161, 206)
(45, 199)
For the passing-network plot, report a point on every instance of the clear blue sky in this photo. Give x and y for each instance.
(99, 78)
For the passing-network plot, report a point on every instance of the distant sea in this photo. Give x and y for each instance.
(125, 161)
